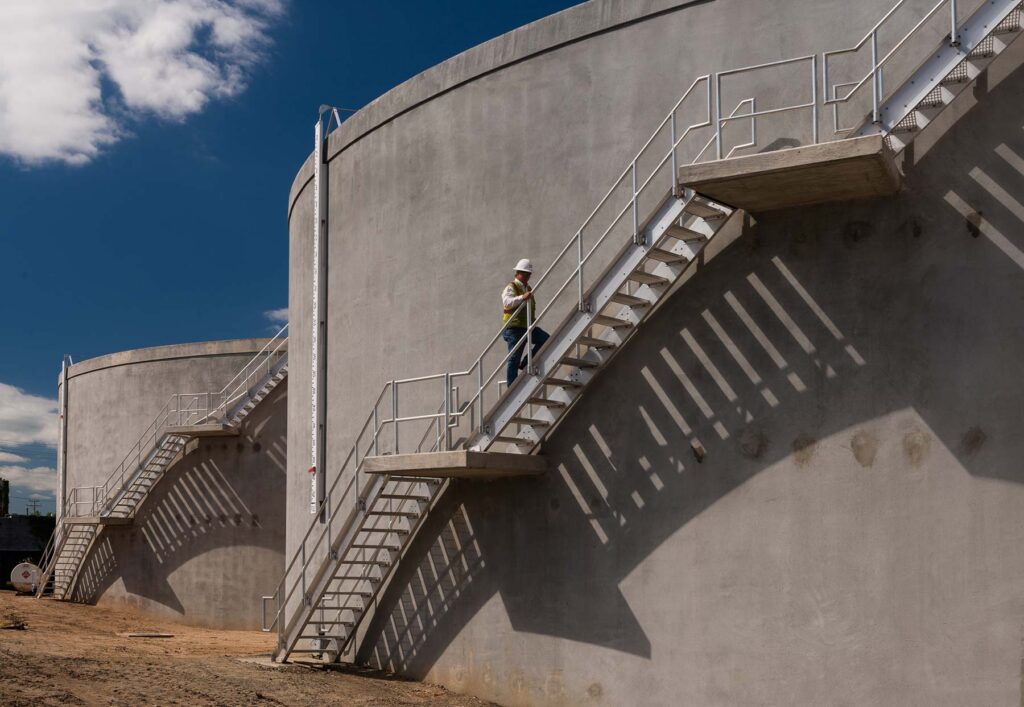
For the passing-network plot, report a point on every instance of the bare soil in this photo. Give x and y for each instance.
(71, 654)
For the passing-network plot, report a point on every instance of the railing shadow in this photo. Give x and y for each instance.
(433, 593)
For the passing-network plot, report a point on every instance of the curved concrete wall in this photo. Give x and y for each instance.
(852, 535)
(209, 540)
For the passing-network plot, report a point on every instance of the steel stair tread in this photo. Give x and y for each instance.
(698, 208)
(512, 440)
(547, 402)
(646, 278)
(330, 623)
(532, 422)
(564, 382)
(414, 479)
(578, 362)
(595, 343)
(400, 514)
(665, 256)
(686, 235)
(613, 322)
(360, 561)
(630, 300)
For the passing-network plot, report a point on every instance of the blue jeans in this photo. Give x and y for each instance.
(516, 338)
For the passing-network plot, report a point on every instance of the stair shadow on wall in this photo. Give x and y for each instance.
(209, 499)
(815, 323)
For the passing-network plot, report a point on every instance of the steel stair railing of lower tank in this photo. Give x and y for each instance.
(319, 550)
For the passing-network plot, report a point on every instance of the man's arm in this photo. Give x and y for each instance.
(509, 299)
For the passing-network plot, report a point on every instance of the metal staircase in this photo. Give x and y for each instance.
(629, 255)
(185, 416)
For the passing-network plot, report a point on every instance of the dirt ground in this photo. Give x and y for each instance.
(71, 654)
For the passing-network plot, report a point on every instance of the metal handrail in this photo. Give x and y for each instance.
(812, 104)
(272, 352)
(368, 441)
(875, 72)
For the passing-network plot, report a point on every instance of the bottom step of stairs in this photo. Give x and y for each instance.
(459, 464)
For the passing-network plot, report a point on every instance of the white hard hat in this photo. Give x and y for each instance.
(524, 265)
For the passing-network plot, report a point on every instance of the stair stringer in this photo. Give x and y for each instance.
(335, 559)
(629, 259)
(933, 73)
(69, 590)
(168, 442)
(244, 407)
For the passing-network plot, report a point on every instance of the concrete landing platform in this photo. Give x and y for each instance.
(97, 520)
(856, 168)
(460, 464)
(215, 430)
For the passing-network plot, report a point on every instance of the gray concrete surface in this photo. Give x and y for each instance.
(853, 534)
(459, 463)
(112, 399)
(210, 539)
(858, 168)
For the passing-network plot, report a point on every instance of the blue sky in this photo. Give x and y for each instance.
(143, 188)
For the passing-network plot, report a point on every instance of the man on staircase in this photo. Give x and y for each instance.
(517, 319)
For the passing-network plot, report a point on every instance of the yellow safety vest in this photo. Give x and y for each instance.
(519, 320)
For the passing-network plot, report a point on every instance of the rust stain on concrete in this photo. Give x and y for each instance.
(804, 447)
(916, 445)
(864, 446)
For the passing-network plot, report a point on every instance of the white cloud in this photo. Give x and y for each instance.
(40, 479)
(26, 419)
(277, 316)
(12, 458)
(75, 73)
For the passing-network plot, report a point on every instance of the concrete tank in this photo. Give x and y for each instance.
(853, 535)
(208, 541)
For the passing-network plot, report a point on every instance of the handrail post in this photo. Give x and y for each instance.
(394, 412)
(376, 430)
(636, 216)
(529, 340)
(874, 78)
(480, 389)
(579, 270)
(327, 512)
(814, 98)
(675, 167)
(954, 40)
(824, 79)
(447, 411)
(718, 116)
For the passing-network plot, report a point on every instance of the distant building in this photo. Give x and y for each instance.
(5, 497)
(22, 538)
